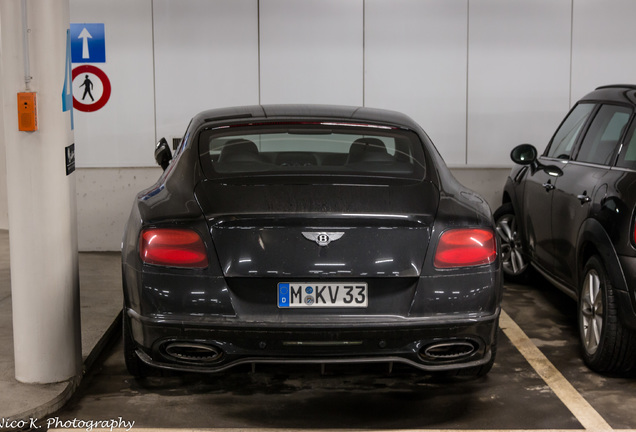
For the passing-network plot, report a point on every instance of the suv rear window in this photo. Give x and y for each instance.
(314, 149)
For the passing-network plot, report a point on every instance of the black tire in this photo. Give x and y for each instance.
(514, 260)
(606, 345)
(135, 366)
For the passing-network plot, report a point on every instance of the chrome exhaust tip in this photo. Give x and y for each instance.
(448, 350)
(193, 352)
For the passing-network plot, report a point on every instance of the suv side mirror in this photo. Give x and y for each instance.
(524, 154)
(163, 155)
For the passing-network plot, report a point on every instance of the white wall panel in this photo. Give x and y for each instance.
(518, 75)
(206, 56)
(416, 62)
(311, 51)
(122, 132)
(602, 44)
(104, 199)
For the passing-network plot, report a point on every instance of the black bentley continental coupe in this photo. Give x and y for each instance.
(308, 234)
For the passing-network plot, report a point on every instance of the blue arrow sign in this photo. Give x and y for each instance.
(88, 43)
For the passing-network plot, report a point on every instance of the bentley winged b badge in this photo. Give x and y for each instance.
(323, 238)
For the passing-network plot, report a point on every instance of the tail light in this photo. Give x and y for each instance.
(172, 247)
(465, 248)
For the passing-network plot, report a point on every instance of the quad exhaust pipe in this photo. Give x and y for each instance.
(202, 353)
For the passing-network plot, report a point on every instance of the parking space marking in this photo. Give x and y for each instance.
(589, 418)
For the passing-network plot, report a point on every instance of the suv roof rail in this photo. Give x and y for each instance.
(629, 86)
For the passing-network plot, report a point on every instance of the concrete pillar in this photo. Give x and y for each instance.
(4, 204)
(41, 197)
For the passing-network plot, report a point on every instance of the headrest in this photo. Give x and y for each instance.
(237, 150)
(367, 149)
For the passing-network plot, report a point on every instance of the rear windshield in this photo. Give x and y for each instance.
(311, 150)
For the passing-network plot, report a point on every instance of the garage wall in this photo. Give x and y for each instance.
(479, 75)
(416, 62)
(602, 44)
(473, 73)
(311, 51)
(518, 75)
(122, 132)
(206, 56)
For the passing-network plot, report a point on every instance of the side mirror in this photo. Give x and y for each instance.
(163, 155)
(524, 154)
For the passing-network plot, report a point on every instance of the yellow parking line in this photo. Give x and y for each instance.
(572, 399)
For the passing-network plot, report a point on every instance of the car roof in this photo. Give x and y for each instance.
(305, 111)
(619, 93)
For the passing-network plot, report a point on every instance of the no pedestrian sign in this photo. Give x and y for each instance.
(91, 88)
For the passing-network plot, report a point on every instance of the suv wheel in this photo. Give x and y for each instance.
(513, 258)
(607, 345)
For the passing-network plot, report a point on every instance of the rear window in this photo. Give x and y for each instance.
(311, 150)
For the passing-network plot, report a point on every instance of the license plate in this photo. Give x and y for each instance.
(312, 294)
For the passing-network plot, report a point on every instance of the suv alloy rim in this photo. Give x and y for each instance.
(592, 311)
(511, 252)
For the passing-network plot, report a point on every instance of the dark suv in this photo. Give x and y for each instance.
(569, 214)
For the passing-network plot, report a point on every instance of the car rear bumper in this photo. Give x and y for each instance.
(430, 345)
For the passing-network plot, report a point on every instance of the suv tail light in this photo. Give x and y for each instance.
(172, 247)
(465, 248)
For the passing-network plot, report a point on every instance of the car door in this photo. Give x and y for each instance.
(540, 185)
(537, 202)
(583, 186)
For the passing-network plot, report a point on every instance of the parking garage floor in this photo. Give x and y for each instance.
(100, 301)
(538, 382)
